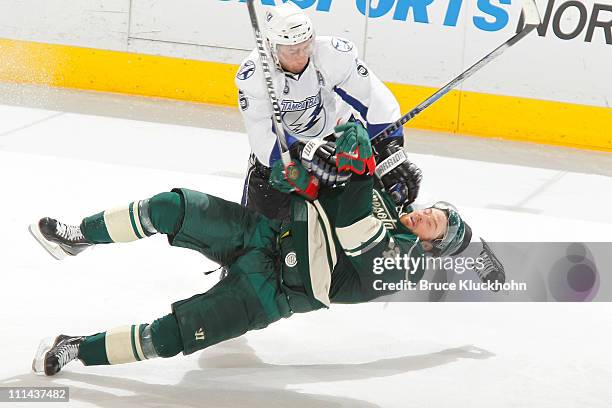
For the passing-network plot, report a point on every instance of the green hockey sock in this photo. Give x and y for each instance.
(128, 344)
(161, 213)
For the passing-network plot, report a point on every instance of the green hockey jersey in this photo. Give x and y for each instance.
(350, 241)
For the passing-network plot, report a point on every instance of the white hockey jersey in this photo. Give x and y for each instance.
(335, 85)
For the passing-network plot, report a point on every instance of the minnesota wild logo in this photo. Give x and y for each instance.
(293, 173)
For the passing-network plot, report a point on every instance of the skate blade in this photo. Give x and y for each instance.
(38, 364)
(53, 249)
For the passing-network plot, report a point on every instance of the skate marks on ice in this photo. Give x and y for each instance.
(18, 123)
(231, 375)
(519, 206)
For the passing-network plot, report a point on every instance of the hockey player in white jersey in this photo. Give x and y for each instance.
(320, 82)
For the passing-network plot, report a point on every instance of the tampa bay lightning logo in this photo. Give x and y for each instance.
(304, 118)
(246, 70)
(342, 45)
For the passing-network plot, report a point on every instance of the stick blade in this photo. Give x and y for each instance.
(531, 12)
(52, 248)
(38, 363)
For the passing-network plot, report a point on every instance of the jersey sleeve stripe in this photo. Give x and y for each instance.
(359, 233)
(355, 104)
(369, 245)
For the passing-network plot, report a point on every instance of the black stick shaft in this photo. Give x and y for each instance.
(452, 84)
(263, 57)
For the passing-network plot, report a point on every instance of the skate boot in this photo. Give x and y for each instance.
(493, 270)
(53, 354)
(59, 239)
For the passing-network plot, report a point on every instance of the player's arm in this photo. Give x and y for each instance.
(401, 177)
(363, 237)
(368, 243)
(360, 88)
(317, 155)
(356, 84)
(257, 115)
(394, 173)
(256, 111)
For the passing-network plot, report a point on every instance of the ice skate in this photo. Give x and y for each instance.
(59, 239)
(53, 354)
(493, 270)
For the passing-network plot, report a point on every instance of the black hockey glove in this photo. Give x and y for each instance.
(319, 157)
(397, 175)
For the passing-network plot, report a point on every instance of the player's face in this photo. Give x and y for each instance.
(294, 58)
(427, 224)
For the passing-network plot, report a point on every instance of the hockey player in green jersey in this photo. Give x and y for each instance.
(324, 254)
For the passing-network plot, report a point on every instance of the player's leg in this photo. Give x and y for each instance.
(119, 345)
(217, 228)
(248, 299)
(161, 213)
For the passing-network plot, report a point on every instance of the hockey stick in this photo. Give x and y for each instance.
(265, 65)
(532, 20)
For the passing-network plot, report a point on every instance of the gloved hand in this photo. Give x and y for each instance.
(294, 178)
(396, 174)
(353, 148)
(318, 156)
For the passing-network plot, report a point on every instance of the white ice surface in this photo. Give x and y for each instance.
(391, 355)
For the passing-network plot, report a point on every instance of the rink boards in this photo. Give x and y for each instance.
(553, 87)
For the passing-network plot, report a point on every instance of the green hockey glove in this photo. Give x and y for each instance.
(353, 148)
(294, 178)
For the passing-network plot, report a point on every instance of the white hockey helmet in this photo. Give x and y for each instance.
(286, 24)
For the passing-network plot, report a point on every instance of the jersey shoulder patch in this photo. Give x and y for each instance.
(335, 46)
(335, 57)
(246, 70)
(342, 44)
(249, 77)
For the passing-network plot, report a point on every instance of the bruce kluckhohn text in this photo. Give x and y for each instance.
(457, 264)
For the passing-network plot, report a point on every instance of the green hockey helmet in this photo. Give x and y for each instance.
(458, 233)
